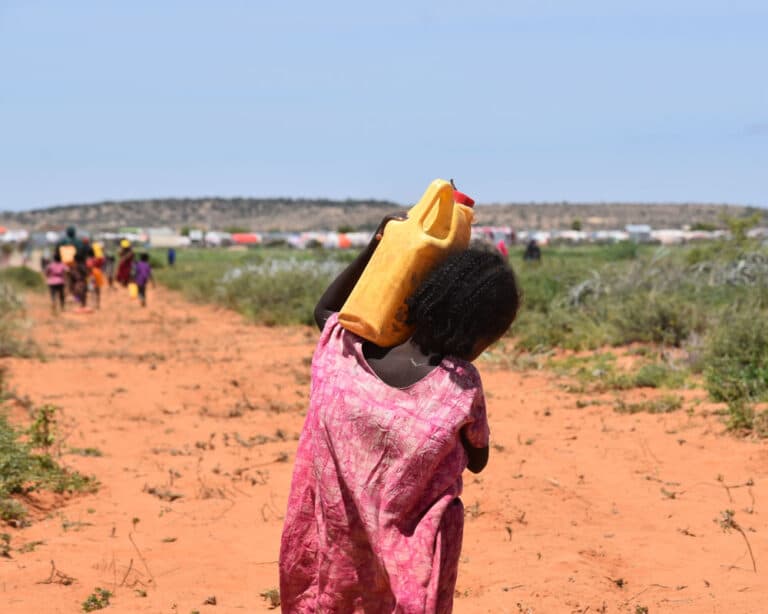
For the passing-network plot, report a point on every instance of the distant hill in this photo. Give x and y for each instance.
(285, 214)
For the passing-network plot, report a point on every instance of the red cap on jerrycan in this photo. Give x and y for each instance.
(462, 199)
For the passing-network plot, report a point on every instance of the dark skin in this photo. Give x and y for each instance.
(402, 365)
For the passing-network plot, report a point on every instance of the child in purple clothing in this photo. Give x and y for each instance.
(55, 277)
(142, 276)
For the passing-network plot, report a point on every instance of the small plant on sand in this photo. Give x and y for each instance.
(97, 600)
(598, 372)
(272, 596)
(30, 546)
(662, 405)
(728, 523)
(41, 431)
(85, 451)
(5, 545)
(740, 416)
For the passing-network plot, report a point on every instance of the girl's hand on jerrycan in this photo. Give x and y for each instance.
(392, 217)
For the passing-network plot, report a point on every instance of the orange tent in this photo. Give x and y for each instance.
(245, 238)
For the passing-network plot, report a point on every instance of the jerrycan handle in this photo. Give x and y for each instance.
(440, 194)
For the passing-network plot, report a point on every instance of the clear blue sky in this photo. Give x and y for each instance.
(518, 100)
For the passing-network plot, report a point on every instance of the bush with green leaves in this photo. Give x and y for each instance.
(27, 465)
(658, 375)
(14, 340)
(578, 298)
(22, 278)
(97, 600)
(269, 286)
(736, 357)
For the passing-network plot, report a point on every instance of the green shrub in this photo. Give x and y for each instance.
(22, 470)
(626, 250)
(22, 278)
(13, 341)
(760, 424)
(156, 262)
(269, 286)
(658, 375)
(736, 358)
(740, 416)
(653, 317)
(561, 327)
(539, 292)
(271, 294)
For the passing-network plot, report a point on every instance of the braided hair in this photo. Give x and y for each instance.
(469, 298)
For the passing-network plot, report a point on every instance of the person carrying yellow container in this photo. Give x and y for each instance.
(388, 434)
(125, 263)
(95, 266)
(77, 264)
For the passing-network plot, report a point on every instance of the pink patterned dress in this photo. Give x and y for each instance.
(374, 521)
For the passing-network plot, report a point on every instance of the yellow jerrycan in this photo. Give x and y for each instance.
(133, 290)
(409, 249)
(67, 254)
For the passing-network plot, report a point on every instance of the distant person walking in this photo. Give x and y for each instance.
(74, 252)
(142, 277)
(125, 263)
(56, 277)
(96, 275)
(84, 256)
(109, 268)
(171, 256)
(532, 252)
(68, 246)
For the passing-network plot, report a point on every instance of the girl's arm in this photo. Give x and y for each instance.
(478, 457)
(337, 293)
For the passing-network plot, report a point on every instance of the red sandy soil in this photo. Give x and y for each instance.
(581, 509)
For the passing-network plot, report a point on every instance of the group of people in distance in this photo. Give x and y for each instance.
(78, 267)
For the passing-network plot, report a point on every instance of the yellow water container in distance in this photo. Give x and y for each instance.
(436, 227)
(67, 254)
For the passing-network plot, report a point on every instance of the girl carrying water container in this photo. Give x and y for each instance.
(374, 521)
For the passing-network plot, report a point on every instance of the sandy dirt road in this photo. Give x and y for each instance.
(197, 413)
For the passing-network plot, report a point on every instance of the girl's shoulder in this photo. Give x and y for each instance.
(462, 373)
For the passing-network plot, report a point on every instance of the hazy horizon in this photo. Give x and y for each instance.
(371, 199)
